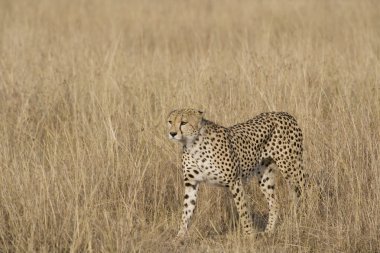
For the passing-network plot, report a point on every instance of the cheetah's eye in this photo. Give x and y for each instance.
(170, 122)
(183, 123)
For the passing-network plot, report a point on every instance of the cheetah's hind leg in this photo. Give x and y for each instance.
(266, 174)
(295, 179)
(242, 207)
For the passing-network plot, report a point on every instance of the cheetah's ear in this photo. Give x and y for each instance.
(171, 112)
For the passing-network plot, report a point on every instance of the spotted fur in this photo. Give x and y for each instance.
(228, 156)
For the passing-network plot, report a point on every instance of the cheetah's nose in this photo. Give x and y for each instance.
(173, 134)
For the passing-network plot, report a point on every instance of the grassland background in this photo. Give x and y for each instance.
(85, 87)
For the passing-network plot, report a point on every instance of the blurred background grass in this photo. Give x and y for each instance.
(85, 87)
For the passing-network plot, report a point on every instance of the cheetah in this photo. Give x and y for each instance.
(229, 156)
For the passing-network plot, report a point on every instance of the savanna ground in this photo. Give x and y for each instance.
(85, 87)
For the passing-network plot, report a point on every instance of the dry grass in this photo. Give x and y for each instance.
(85, 87)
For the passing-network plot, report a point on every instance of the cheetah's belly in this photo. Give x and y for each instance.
(209, 172)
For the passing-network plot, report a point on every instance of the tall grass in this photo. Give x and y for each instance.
(85, 87)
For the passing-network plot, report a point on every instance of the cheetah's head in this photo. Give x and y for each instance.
(184, 125)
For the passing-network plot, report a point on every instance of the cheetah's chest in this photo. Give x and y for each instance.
(214, 161)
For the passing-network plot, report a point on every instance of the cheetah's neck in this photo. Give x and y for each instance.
(188, 144)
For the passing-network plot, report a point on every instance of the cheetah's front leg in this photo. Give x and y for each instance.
(191, 189)
(238, 194)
